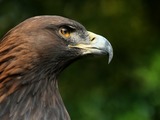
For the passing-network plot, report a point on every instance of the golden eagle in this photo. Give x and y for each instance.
(32, 55)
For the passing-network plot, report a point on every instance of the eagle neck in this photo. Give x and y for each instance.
(36, 100)
(44, 99)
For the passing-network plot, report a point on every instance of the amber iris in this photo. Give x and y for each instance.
(65, 32)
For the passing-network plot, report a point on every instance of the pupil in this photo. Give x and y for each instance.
(65, 31)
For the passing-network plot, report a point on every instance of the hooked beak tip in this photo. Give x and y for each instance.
(110, 52)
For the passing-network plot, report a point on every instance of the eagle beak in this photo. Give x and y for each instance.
(97, 45)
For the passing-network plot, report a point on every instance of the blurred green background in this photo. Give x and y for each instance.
(126, 89)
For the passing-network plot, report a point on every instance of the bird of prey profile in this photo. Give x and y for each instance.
(32, 55)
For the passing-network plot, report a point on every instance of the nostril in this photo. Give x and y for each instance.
(92, 38)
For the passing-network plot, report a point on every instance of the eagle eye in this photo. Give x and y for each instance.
(66, 31)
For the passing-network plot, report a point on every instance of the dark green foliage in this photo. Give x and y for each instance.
(126, 89)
